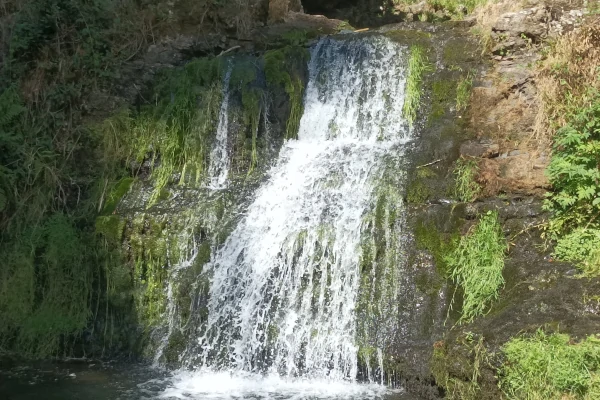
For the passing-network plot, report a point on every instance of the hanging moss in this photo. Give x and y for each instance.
(174, 134)
(281, 70)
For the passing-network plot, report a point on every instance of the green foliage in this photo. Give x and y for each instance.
(476, 265)
(551, 366)
(465, 171)
(44, 291)
(463, 92)
(580, 246)
(175, 135)
(53, 174)
(418, 65)
(575, 177)
(281, 69)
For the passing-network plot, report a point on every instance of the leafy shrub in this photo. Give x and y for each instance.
(476, 265)
(575, 176)
(551, 367)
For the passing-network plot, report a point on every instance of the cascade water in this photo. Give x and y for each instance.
(284, 285)
(218, 167)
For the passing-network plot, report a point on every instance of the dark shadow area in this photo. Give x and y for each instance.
(359, 13)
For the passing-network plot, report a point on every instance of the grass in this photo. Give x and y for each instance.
(476, 265)
(463, 92)
(551, 366)
(418, 65)
(465, 171)
(470, 364)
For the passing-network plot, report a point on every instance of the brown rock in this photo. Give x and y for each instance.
(477, 149)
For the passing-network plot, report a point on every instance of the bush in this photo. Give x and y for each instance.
(476, 265)
(551, 367)
(575, 201)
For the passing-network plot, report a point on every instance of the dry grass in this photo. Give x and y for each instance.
(566, 77)
(487, 14)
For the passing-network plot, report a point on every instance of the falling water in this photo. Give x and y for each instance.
(218, 168)
(284, 285)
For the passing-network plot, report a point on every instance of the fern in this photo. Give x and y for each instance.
(574, 172)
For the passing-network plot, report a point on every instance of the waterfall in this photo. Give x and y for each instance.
(284, 285)
(218, 168)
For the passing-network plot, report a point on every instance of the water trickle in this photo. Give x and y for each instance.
(284, 285)
(218, 168)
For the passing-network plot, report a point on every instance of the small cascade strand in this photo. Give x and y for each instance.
(218, 168)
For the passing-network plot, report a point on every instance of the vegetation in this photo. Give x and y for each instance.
(63, 172)
(551, 366)
(476, 265)
(570, 117)
(471, 361)
(458, 8)
(55, 55)
(465, 171)
(418, 65)
(463, 92)
(281, 70)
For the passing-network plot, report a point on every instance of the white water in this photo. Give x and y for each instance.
(281, 313)
(218, 168)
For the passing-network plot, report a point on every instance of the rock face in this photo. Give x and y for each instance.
(531, 23)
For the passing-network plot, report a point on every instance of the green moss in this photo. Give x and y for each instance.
(429, 238)
(443, 94)
(418, 192)
(458, 51)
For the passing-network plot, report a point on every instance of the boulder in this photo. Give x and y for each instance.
(530, 23)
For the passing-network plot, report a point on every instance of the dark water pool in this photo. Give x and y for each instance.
(103, 381)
